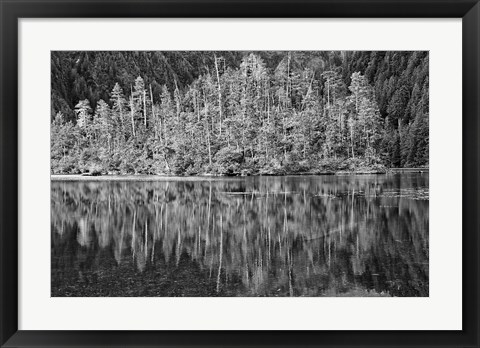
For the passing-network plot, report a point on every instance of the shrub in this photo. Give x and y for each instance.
(228, 161)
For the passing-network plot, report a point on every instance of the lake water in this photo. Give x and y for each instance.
(364, 235)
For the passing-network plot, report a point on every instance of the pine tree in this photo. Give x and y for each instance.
(139, 96)
(120, 115)
(83, 110)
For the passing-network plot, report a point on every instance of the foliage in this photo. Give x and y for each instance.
(238, 113)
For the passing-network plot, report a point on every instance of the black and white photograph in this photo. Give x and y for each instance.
(239, 173)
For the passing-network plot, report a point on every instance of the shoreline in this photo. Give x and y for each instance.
(204, 177)
(142, 177)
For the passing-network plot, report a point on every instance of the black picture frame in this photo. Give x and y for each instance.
(11, 11)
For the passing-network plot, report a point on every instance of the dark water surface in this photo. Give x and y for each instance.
(254, 236)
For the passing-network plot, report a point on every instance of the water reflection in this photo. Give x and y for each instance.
(255, 236)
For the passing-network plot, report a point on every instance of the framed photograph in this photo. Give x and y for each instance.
(221, 173)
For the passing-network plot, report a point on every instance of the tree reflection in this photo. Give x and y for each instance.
(259, 236)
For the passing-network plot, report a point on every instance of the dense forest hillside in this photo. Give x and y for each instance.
(238, 112)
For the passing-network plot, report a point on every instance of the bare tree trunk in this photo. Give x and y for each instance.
(154, 118)
(308, 92)
(266, 152)
(328, 96)
(209, 147)
(351, 139)
(219, 95)
(304, 147)
(284, 139)
(145, 108)
(166, 162)
(164, 121)
(197, 105)
(208, 132)
(132, 115)
(268, 105)
(177, 102)
(288, 76)
(243, 122)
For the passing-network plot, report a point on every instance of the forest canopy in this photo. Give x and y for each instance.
(236, 112)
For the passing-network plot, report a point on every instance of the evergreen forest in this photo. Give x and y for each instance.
(238, 112)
